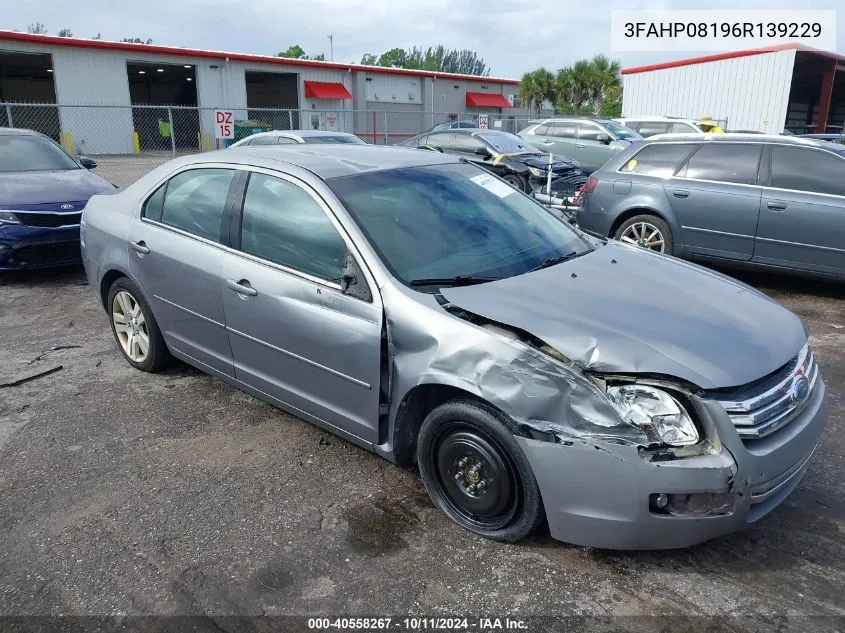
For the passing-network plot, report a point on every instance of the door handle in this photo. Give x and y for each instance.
(242, 287)
(680, 193)
(776, 205)
(140, 246)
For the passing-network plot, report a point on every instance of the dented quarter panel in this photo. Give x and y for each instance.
(624, 309)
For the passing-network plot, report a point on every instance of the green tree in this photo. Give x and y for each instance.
(65, 33)
(435, 58)
(97, 37)
(36, 28)
(369, 59)
(535, 87)
(394, 58)
(297, 52)
(604, 84)
(573, 85)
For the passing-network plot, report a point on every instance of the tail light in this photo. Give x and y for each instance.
(591, 184)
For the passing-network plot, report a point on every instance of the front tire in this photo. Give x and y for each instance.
(516, 181)
(476, 473)
(646, 231)
(135, 329)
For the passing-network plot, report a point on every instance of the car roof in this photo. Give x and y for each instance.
(651, 117)
(300, 133)
(727, 137)
(329, 160)
(17, 131)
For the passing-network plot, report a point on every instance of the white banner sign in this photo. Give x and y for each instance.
(224, 124)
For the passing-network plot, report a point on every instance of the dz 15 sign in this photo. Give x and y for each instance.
(224, 124)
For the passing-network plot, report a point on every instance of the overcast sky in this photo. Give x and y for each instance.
(512, 36)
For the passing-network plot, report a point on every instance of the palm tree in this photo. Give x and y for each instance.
(535, 87)
(573, 84)
(603, 81)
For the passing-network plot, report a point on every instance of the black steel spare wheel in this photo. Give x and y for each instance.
(476, 476)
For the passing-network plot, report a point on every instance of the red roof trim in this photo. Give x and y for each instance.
(73, 42)
(487, 100)
(326, 90)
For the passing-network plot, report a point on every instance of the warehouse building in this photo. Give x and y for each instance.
(785, 87)
(98, 96)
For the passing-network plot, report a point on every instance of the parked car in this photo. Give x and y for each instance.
(291, 137)
(829, 138)
(452, 125)
(591, 142)
(509, 157)
(772, 201)
(647, 126)
(42, 192)
(414, 305)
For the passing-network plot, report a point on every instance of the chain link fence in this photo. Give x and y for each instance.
(129, 141)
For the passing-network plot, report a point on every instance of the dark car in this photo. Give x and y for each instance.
(42, 193)
(509, 157)
(753, 200)
(829, 138)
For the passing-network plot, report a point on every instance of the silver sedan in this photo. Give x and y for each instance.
(423, 309)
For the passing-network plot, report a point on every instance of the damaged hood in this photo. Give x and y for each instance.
(623, 309)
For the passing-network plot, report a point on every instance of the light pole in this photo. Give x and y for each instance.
(331, 47)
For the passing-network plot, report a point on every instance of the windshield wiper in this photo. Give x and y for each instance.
(557, 259)
(457, 280)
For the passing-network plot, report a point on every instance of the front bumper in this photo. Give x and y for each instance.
(597, 494)
(24, 247)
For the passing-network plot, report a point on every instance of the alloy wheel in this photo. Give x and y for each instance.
(644, 235)
(130, 326)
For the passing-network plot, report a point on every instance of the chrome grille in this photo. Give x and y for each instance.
(762, 408)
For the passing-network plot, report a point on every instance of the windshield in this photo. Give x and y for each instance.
(333, 139)
(620, 131)
(505, 143)
(32, 153)
(444, 221)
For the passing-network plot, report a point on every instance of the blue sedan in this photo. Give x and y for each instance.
(42, 193)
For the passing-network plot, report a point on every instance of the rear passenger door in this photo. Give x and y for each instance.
(295, 335)
(716, 199)
(802, 218)
(175, 255)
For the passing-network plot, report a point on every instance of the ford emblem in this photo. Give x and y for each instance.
(66, 206)
(800, 389)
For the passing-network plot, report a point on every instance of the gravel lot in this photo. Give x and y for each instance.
(129, 493)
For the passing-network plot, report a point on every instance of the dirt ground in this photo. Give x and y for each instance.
(129, 493)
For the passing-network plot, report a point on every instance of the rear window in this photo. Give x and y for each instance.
(725, 162)
(659, 159)
(652, 128)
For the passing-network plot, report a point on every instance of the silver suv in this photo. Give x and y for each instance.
(591, 142)
(770, 201)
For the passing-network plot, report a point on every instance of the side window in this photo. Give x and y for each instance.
(154, 204)
(466, 143)
(590, 132)
(284, 140)
(541, 130)
(725, 162)
(195, 201)
(683, 128)
(263, 140)
(651, 128)
(284, 225)
(634, 125)
(562, 129)
(443, 141)
(808, 170)
(658, 159)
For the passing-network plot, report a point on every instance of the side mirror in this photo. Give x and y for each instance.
(603, 138)
(87, 163)
(482, 151)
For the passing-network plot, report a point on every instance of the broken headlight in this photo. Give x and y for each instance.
(537, 172)
(660, 416)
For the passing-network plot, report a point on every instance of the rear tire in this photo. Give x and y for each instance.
(476, 473)
(135, 329)
(647, 231)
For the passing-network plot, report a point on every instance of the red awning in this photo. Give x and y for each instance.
(485, 100)
(326, 90)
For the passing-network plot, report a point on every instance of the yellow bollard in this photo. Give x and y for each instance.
(208, 141)
(136, 143)
(199, 141)
(69, 143)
